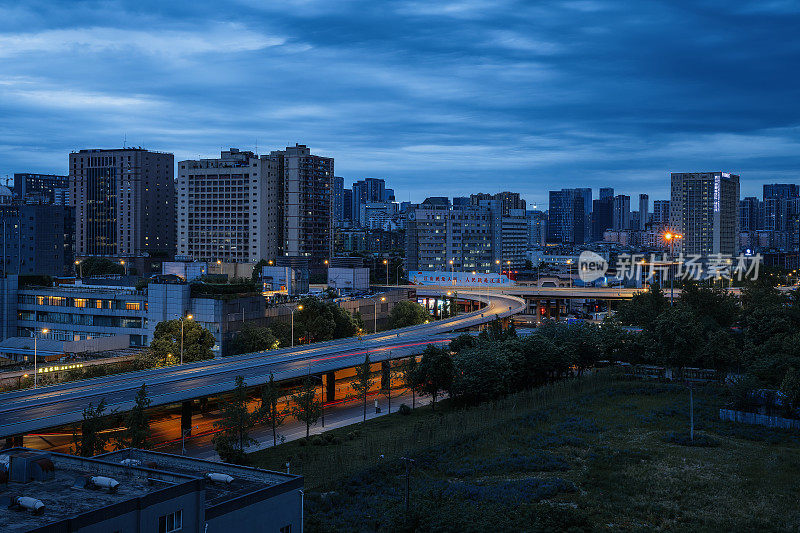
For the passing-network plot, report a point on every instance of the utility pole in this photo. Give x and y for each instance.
(408, 462)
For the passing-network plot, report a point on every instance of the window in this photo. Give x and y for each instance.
(132, 306)
(170, 522)
(286, 529)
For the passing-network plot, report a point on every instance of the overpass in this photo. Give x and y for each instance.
(29, 410)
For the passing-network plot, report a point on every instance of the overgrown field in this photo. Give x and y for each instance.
(591, 454)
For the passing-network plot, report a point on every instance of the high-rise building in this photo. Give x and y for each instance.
(41, 189)
(621, 218)
(567, 215)
(509, 229)
(660, 217)
(704, 208)
(347, 204)
(644, 211)
(537, 227)
(306, 183)
(606, 192)
(508, 200)
(751, 211)
(781, 190)
(776, 196)
(124, 201)
(228, 208)
(36, 238)
(338, 199)
(602, 216)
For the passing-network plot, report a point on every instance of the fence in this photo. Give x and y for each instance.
(744, 417)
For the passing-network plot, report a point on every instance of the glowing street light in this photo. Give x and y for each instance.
(298, 308)
(188, 317)
(45, 331)
(375, 314)
(671, 237)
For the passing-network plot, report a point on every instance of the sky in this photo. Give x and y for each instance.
(440, 98)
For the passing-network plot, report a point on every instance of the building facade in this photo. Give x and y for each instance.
(229, 208)
(41, 189)
(124, 202)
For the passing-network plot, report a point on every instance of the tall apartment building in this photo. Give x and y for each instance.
(751, 214)
(660, 213)
(776, 197)
(602, 215)
(338, 199)
(537, 227)
(644, 211)
(307, 193)
(41, 189)
(567, 217)
(124, 201)
(621, 218)
(509, 229)
(228, 208)
(704, 208)
(606, 192)
(508, 200)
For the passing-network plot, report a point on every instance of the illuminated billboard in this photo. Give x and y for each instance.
(462, 279)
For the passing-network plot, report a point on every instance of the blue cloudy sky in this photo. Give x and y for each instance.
(439, 97)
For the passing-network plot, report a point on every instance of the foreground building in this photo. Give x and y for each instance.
(704, 208)
(140, 491)
(124, 202)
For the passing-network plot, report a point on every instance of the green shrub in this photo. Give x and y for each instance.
(404, 409)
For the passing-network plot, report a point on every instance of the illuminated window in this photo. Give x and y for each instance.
(81, 302)
(132, 306)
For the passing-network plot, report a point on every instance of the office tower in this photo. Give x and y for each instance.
(306, 182)
(537, 227)
(622, 212)
(644, 211)
(437, 233)
(508, 226)
(775, 204)
(704, 208)
(781, 190)
(508, 200)
(606, 192)
(36, 238)
(750, 212)
(602, 216)
(228, 208)
(388, 195)
(660, 213)
(566, 221)
(338, 199)
(347, 204)
(124, 201)
(459, 201)
(368, 190)
(41, 189)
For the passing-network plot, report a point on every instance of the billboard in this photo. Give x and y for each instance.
(462, 279)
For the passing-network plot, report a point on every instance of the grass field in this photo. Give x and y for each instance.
(591, 454)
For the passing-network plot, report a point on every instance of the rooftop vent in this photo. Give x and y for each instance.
(97, 483)
(219, 478)
(130, 462)
(23, 503)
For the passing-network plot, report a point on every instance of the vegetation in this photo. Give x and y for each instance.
(573, 455)
(94, 436)
(211, 287)
(270, 414)
(234, 425)
(306, 408)
(137, 423)
(95, 266)
(165, 348)
(434, 373)
(252, 338)
(407, 313)
(363, 381)
(323, 320)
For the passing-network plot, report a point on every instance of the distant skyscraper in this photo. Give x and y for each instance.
(566, 221)
(41, 189)
(644, 210)
(508, 200)
(622, 212)
(602, 216)
(660, 213)
(228, 208)
(750, 214)
(347, 204)
(367, 191)
(307, 183)
(124, 201)
(37, 239)
(776, 196)
(537, 227)
(338, 199)
(704, 208)
(606, 192)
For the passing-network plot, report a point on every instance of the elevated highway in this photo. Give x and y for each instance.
(31, 410)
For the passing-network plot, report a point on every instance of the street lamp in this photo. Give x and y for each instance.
(569, 271)
(80, 267)
(188, 317)
(45, 331)
(452, 273)
(500, 269)
(671, 237)
(298, 308)
(385, 262)
(398, 273)
(375, 314)
(124, 267)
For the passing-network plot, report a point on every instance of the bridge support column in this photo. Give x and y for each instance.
(386, 367)
(330, 386)
(186, 418)
(538, 312)
(203, 405)
(18, 440)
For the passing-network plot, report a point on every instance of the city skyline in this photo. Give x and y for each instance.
(436, 98)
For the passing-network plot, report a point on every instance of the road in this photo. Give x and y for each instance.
(32, 410)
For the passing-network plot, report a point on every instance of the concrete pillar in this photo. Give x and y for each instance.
(538, 312)
(203, 405)
(385, 369)
(186, 417)
(330, 386)
(18, 440)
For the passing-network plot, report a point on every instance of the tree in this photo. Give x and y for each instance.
(643, 308)
(197, 342)
(434, 373)
(321, 320)
(269, 413)
(676, 336)
(363, 382)
(93, 439)
(137, 421)
(93, 266)
(463, 342)
(407, 371)
(790, 390)
(252, 338)
(306, 407)
(234, 425)
(256, 275)
(406, 313)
